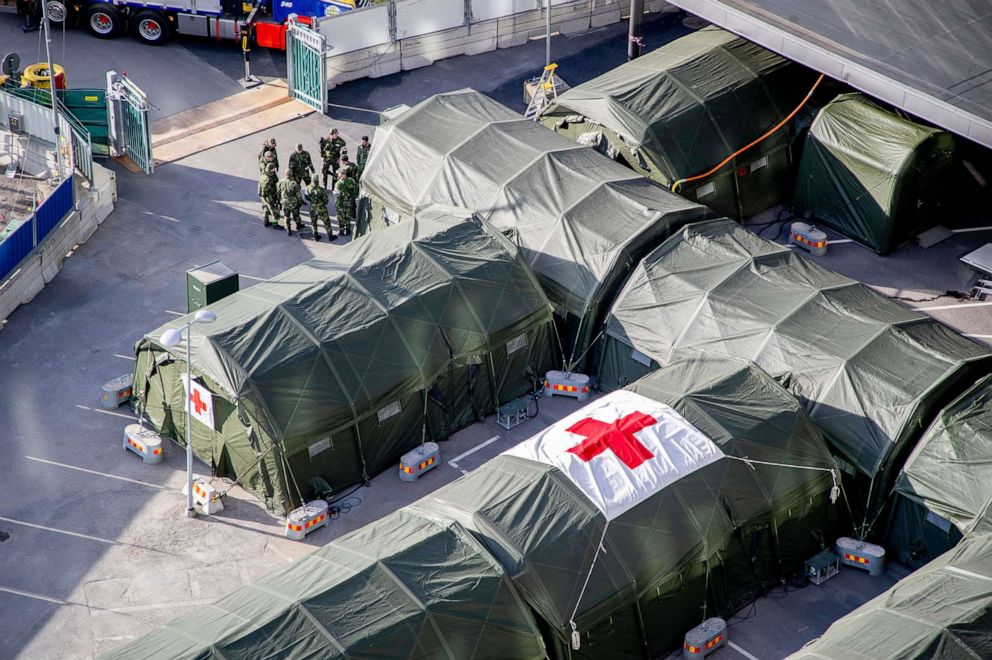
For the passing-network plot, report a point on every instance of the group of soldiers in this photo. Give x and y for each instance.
(285, 197)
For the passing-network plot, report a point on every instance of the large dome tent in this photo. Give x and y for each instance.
(581, 220)
(871, 371)
(338, 366)
(682, 108)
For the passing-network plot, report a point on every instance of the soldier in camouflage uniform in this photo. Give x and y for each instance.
(318, 209)
(268, 192)
(291, 199)
(362, 156)
(330, 152)
(300, 165)
(268, 146)
(345, 194)
(350, 168)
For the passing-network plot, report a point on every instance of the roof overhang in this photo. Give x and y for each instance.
(839, 55)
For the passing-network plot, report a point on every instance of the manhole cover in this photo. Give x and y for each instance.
(694, 22)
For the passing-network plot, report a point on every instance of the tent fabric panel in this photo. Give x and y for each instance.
(947, 603)
(948, 472)
(367, 595)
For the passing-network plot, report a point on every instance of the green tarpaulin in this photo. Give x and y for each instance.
(338, 366)
(941, 612)
(681, 109)
(581, 220)
(871, 371)
(705, 542)
(945, 489)
(407, 586)
(872, 175)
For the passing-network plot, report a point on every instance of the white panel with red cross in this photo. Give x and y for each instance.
(621, 449)
(201, 403)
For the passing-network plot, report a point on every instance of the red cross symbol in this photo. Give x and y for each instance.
(617, 436)
(199, 405)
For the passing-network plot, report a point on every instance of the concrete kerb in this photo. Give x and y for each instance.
(95, 202)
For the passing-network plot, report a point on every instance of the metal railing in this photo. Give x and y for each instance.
(80, 142)
(75, 137)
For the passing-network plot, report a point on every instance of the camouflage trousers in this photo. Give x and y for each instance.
(329, 167)
(270, 210)
(321, 215)
(346, 215)
(292, 213)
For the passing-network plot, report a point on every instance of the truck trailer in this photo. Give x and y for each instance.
(154, 22)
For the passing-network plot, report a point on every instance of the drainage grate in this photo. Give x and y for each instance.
(931, 237)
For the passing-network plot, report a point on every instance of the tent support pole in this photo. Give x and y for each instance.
(635, 36)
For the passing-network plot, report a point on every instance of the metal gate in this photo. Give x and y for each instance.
(305, 65)
(130, 129)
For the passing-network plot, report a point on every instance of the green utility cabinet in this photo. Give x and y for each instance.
(208, 284)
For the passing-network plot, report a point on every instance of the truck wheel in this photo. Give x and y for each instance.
(61, 14)
(150, 27)
(104, 21)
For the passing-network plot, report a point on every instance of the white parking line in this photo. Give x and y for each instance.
(454, 461)
(125, 357)
(969, 229)
(252, 277)
(106, 412)
(31, 594)
(961, 306)
(59, 531)
(174, 313)
(740, 650)
(99, 474)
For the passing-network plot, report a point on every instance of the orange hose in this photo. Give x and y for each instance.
(771, 131)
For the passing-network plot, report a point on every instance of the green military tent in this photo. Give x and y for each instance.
(581, 220)
(874, 176)
(941, 612)
(945, 489)
(338, 366)
(872, 372)
(672, 513)
(406, 586)
(680, 110)
(635, 557)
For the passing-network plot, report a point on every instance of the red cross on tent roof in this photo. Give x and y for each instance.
(617, 436)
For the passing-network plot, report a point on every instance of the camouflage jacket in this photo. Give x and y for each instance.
(346, 189)
(362, 157)
(289, 193)
(299, 162)
(268, 185)
(318, 197)
(330, 149)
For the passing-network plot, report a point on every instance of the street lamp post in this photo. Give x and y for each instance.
(169, 339)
